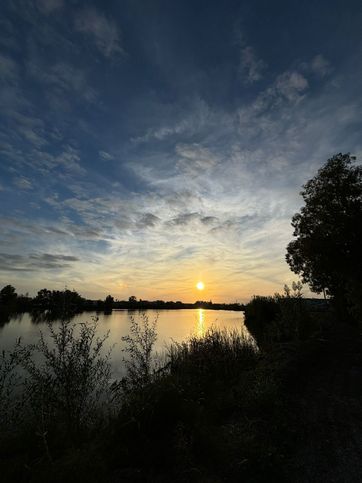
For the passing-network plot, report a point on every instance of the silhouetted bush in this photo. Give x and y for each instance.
(261, 314)
(67, 378)
(281, 318)
(138, 346)
(11, 397)
(218, 353)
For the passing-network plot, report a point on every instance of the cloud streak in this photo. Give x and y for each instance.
(34, 262)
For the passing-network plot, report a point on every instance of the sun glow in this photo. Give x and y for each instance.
(200, 285)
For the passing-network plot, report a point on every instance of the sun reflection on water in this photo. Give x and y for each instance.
(200, 323)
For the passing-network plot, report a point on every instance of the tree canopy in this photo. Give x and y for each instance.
(327, 250)
(7, 295)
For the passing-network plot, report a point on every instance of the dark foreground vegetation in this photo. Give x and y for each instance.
(216, 408)
(49, 305)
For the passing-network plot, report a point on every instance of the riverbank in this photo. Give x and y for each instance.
(216, 410)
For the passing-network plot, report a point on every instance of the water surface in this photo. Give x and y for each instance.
(172, 325)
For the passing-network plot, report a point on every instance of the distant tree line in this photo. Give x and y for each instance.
(58, 303)
(140, 304)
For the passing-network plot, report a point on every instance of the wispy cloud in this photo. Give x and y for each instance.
(63, 78)
(195, 159)
(35, 262)
(291, 85)
(193, 117)
(23, 183)
(148, 220)
(105, 156)
(251, 67)
(321, 66)
(103, 31)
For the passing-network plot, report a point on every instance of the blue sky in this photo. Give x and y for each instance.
(147, 145)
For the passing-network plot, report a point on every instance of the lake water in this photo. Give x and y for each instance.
(175, 325)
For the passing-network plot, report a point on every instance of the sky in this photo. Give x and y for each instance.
(148, 145)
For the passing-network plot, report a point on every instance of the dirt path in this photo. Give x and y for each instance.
(330, 448)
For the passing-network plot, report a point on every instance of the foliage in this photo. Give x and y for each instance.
(261, 315)
(7, 295)
(218, 353)
(10, 387)
(108, 302)
(61, 302)
(328, 230)
(139, 344)
(283, 317)
(294, 319)
(68, 385)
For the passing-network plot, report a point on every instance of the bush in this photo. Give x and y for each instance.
(261, 314)
(294, 321)
(11, 401)
(139, 344)
(67, 386)
(281, 318)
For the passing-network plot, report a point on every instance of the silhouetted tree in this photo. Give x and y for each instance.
(8, 295)
(43, 299)
(8, 300)
(108, 303)
(327, 249)
(58, 301)
(109, 300)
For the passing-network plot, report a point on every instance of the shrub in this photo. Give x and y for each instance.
(294, 321)
(10, 387)
(283, 317)
(261, 314)
(67, 386)
(139, 344)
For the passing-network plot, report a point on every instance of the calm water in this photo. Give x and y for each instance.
(175, 325)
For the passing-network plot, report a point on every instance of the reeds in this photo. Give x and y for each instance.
(218, 353)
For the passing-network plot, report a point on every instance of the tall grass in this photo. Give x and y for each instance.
(219, 353)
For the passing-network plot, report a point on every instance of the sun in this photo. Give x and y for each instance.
(200, 285)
